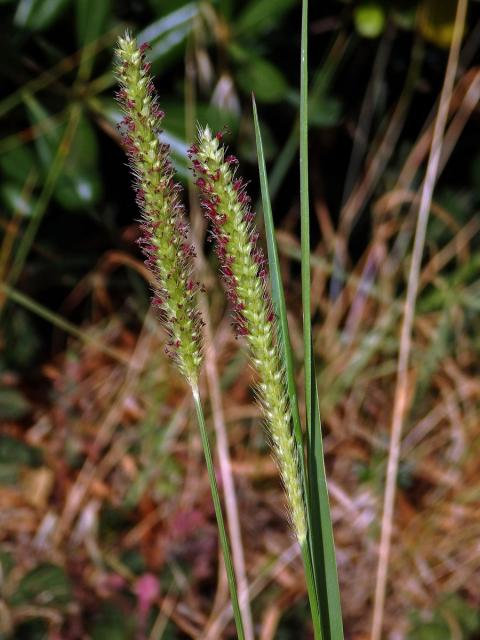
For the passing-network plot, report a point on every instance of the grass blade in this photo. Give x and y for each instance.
(321, 536)
(305, 218)
(322, 542)
(227, 556)
(278, 297)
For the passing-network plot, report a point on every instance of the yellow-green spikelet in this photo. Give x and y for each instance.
(164, 232)
(243, 267)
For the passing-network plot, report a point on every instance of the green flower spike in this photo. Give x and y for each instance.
(164, 231)
(227, 206)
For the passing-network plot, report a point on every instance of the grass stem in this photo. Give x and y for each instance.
(218, 513)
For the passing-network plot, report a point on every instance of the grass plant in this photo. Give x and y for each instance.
(244, 270)
(165, 244)
(108, 523)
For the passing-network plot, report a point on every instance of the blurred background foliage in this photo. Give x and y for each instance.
(74, 301)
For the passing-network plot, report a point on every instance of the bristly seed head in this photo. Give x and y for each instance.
(164, 231)
(243, 266)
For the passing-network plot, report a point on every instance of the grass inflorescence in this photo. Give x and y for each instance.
(165, 234)
(165, 243)
(243, 266)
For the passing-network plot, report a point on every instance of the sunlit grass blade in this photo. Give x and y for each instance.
(278, 295)
(323, 546)
(227, 556)
(278, 298)
(321, 537)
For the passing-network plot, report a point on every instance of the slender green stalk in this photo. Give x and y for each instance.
(312, 591)
(218, 513)
(321, 542)
(305, 216)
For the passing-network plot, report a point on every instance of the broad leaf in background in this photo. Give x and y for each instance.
(260, 16)
(36, 15)
(46, 583)
(15, 455)
(263, 78)
(19, 168)
(78, 186)
(454, 612)
(22, 342)
(12, 449)
(91, 19)
(113, 623)
(13, 405)
(17, 163)
(16, 200)
(326, 111)
(167, 34)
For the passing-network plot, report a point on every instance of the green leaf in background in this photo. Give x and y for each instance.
(78, 186)
(369, 19)
(166, 34)
(260, 16)
(453, 610)
(264, 79)
(13, 450)
(326, 111)
(217, 118)
(7, 563)
(13, 405)
(22, 342)
(91, 18)
(17, 163)
(36, 15)
(15, 199)
(226, 8)
(46, 585)
(112, 623)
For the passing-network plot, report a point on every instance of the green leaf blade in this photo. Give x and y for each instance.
(278, 298)
(320, 526)
(278, 295)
